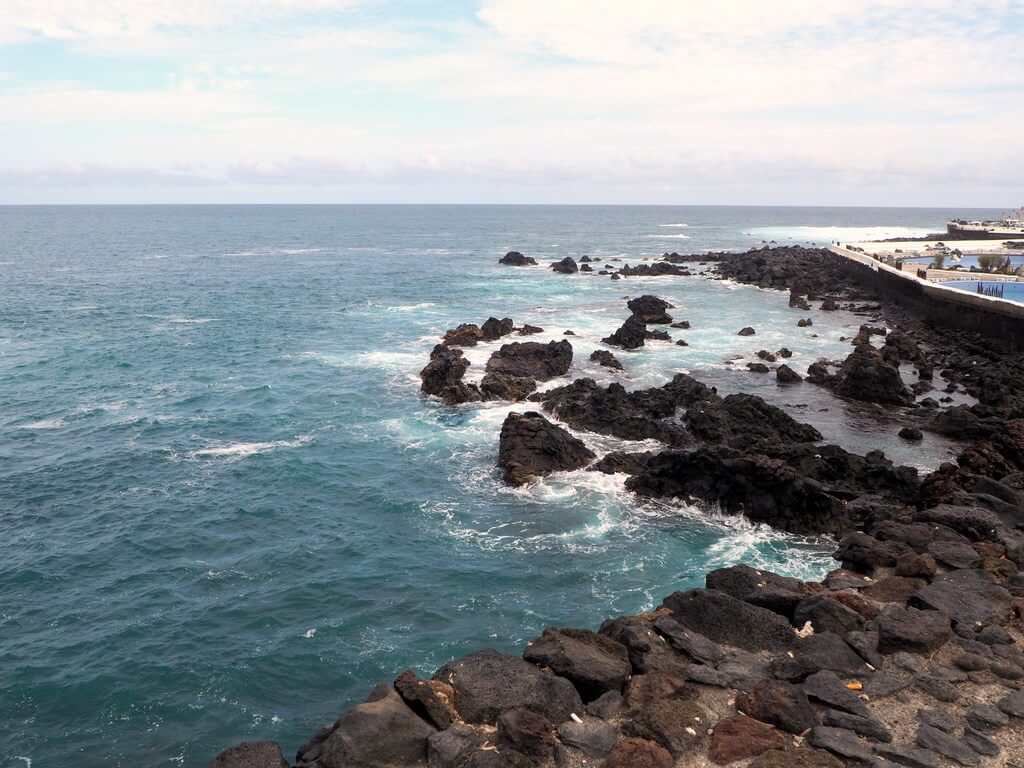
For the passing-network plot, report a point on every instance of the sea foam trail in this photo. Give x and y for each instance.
(239, 450)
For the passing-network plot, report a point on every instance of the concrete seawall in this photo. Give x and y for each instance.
(939, 304)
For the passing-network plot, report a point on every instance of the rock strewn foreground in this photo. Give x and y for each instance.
(909, 653)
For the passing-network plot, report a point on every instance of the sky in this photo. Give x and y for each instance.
(802, 102)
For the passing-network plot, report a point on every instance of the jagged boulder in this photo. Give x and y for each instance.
(532, 359)
(465, 335)
(605, 358)
(566, 266)
(594, 663)
(630, 335)
(866, 376)
(382, 732)
(724, 619)
(442, 377)
(501, 386)
(488, 683)
(251, 754)
(494, 329)
(650, 309)
(516, 259)
(531, 446)
(764, 489)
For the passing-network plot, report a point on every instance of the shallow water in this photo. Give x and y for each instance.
(227, 510)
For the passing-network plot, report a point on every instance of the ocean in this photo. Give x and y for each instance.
(227, 510)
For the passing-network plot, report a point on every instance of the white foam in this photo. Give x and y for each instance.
(309, 634)
(240, 450)
(670, 237)
(673, 225)
(843, 234)
(43, 424)
(412, 307)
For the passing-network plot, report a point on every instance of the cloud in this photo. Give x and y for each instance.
(833, 96)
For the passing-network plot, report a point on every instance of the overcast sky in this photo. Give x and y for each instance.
(857, 102)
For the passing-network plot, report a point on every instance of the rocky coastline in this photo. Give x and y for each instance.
(909, 653)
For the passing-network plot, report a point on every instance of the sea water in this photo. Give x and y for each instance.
(226, 509)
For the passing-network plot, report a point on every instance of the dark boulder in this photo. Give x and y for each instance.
(817, 652)
(494, 329)
(911, 434)
(528, 733)
(595, 738)
(724, 619)
(453, 747)
(465, 335)
(502, 386)
(605, 358)
(826, 615)
(516, 259)
(757, 368)
(618, 461)
(382, 732)
(530, 330)
(594, 663)
(442, 377)
(531, 446)
(764, 489)
(866, 376)
(488, 683)
(630, 335)
(975, 523)
(566, 266)
(650, 309)
(780, 704)
(840, 741)
(532, 360)
(909, 629)
(786, 375)
(747, 331)
(251, 754)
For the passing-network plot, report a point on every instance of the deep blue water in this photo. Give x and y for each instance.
(226, 510)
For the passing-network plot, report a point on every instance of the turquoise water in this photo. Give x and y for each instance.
(228, 512)
(1011, 291)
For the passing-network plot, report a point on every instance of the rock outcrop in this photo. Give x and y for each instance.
(531, 446)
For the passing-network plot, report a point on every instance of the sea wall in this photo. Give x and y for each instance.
(938, 304)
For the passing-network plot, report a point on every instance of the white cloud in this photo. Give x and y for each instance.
(834, 95)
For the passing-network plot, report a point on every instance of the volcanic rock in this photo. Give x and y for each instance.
(532, 360)
(629, 336)
(605, 358)
(530, 446)
(488, 683)
(516, 259)
(566, 266)
(650, 309)
(594, 663)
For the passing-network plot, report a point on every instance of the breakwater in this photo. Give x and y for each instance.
(938, 304)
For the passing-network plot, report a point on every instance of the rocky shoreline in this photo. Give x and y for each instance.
(909, 653)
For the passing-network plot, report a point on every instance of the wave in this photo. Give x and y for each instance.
(43, 424)
(241, 450)
(673, 225)
(670, 237)
(843, 234)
